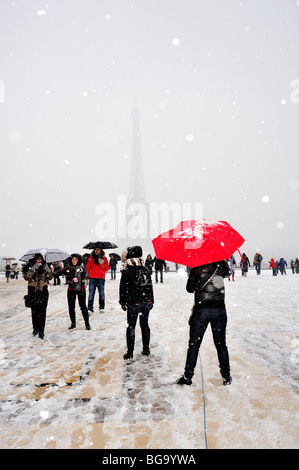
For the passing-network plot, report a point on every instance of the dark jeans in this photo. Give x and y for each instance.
(144, 309)
(198, 322)
(113, 273)
(161, 275)
(39, 307)
(96, 283)
(71, 298)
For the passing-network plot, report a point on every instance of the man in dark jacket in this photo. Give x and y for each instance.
(136, 296)
(206, 282)
(159, 264)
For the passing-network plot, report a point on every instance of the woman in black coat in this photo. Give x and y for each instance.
(38, 274)
(206, 282)
(75, 274)
(136, 296)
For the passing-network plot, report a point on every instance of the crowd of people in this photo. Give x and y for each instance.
(136, 295)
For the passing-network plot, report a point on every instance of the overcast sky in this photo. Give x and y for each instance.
(217, 86)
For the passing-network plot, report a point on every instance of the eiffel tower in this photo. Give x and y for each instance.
(137, 198)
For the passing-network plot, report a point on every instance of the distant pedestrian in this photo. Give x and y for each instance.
(296, 265)
(113, 265)
(97, 265)
(207, 284)
(244, 264)
(149, 262)
(232, 263)
(16, 270)
(159, 265)
(282, 266)
(292, 265)
(257, 262)
(75, 274)
(272, 265)
(7, 272)
(38, 274)
(136, 296)
(56, 268)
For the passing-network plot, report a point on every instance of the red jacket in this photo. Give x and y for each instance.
(97, 270)
(272, 263)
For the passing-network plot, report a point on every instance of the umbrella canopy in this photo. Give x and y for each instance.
(101, 245)
(50, 255)
(197, 242)
(8, 259)
(116, 256)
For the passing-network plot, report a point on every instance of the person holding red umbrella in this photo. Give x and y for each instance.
(206, 282)
(203, 245)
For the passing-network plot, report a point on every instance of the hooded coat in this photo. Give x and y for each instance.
(135, 283)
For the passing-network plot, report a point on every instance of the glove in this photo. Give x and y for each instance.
(75, 279)
(124, 308)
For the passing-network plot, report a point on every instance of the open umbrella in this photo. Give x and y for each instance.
(101, 245)
(116, 256)
(50, 255)
(197, 242)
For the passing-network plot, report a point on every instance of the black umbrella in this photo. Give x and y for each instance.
(101, 245)
(116, 256)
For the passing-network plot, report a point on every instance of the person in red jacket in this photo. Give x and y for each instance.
(273, 266)
(97, 265)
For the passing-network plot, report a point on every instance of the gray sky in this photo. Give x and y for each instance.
(217, 85)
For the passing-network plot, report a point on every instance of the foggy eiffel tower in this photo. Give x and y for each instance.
(137, 198)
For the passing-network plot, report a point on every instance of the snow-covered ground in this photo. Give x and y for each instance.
(73, 389)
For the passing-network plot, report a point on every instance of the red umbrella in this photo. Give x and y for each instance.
(197, 242)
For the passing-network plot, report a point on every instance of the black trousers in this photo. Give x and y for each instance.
(198, 322)
(71, 298)
(39, 301)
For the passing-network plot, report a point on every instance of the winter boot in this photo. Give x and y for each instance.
(130, 334)
(227, 380)
(184, 381)
(145, 342)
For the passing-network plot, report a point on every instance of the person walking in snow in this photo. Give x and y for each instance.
(244, 263)
(292, 265)
(257, 262)
(38, 274)
(232, 263)
(282, 266)
(272, 265)
(112, 266)
(96, 267)
(7, 272)
(136, 296)
(149, 262)
(159, 264)
(75, 273)
(207, 284)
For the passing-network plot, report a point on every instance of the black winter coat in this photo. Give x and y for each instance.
(135, 284)
(159, 264)
(212, 294)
